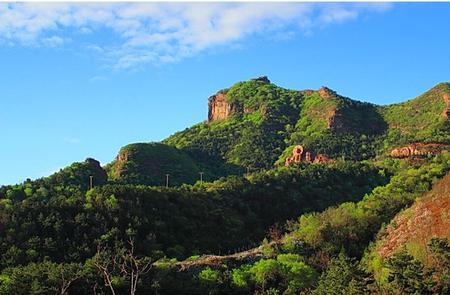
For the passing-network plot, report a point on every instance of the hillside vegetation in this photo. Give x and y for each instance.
(234, 218)
(419, 119)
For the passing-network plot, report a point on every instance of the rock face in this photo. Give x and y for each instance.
(300, 155)
(218, 107)
(418, 150)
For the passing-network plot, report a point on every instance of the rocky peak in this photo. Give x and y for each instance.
(326, 92)
(263, 79)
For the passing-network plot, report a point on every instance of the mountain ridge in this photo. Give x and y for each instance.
(255, 124)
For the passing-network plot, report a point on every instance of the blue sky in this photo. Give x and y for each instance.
(82, 80)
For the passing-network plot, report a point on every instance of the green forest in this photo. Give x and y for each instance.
(213, 209)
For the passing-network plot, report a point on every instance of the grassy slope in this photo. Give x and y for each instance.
(418, 119)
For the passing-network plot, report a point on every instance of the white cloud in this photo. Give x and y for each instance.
(53, 41)
(166, 32)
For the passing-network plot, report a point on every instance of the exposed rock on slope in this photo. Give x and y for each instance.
(218, 107)
(446, 111)
(419, 150)
(300, 155)
(428, 217)
(215, 260)
(340, 114)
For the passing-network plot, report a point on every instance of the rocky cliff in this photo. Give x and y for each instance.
(218, 107)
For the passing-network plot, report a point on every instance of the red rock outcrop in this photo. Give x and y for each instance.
(418, 150)
(218, 107)
(427, 218)
(326, 92)
(300, 155)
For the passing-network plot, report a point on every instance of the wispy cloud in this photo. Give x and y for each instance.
(71, 140)
(97, 79)
(166, 32)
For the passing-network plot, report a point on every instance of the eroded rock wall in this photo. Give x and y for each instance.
(418, 150)
(218, 107)
(299, 155)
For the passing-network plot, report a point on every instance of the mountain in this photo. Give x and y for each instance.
(279, 191)
(256, 124)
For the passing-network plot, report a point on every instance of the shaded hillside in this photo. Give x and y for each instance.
(326, 242)
(177, 222)
(71, 180)
(148, 163)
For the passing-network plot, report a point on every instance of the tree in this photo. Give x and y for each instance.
(65, 274)
(40, 278)
(407, 275)
(343, 276)
(122, 263)
(210, 279)
(440, 255)
(133, 267)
